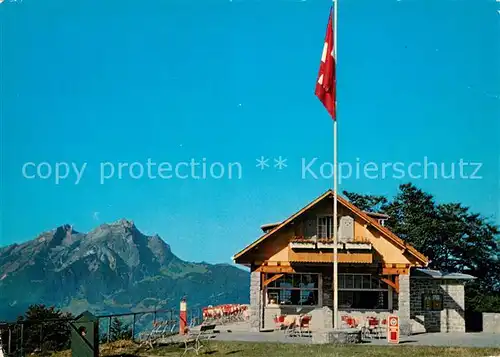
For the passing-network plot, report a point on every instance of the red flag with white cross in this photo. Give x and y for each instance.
(326, 83)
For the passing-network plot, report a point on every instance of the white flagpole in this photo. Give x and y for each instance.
(335, 213)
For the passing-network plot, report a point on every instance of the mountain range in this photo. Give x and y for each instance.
(112, 269)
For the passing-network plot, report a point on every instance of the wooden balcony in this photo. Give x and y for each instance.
(358, 243)
(327, 257)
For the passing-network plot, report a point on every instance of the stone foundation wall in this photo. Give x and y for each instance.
(403, 303)
(491, 322)
(343, 337)
(451, 318)
(255, 301)
(364, 314)
(321, 317)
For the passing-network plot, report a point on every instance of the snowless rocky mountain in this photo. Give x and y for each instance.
(113, 268)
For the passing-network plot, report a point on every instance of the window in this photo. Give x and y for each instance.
(360, 281)
(293, 289)
(365, 300)
(325, 227)
(432, 302)
(362, 291)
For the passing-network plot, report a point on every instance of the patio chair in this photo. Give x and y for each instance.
(291, 330)
(352, 322)
(365, 331)
(369, 328)
(345, 321)
(291, 325)
(149, 338)
(196, 340)
(279, 322)
(382, 328)
(305, 325)
(374, 327)
(300, 327)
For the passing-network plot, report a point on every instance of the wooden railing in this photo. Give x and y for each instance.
(302, 239)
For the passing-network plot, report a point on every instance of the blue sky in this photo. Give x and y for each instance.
(231, 81)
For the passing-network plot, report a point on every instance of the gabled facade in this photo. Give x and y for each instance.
(291, 266)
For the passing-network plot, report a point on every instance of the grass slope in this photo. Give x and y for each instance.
(129, 349)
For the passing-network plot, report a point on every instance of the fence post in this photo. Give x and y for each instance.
(109, 329)
(133, 328)
(22, 339)
(41, 337)
(183, 317)
(10, 340)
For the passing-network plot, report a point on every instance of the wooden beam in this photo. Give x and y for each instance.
(397, 265)
(283, 264)
(395, 271)
(327, 257)
(275, 269)
(391, 283)
(270, 280)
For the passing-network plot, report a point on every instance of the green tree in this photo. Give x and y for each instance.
(44, 329)
(453, 238)
(119, 330)
(369, 203)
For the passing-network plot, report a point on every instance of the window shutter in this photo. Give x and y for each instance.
(346, 229)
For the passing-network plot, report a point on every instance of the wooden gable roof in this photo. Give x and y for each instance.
(384, 231)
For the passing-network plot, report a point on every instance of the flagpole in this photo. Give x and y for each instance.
(335, 213)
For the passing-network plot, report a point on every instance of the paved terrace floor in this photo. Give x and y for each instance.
(238, 332)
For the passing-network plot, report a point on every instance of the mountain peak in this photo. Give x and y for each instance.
(66, 227)
(60, 235)
(112, 268)
(65, 230)
(124, 223)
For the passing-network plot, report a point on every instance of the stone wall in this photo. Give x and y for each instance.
(403, 303)
(451, 318)
(362, 315)
(255, 301)
(491, 322)
(321, 317)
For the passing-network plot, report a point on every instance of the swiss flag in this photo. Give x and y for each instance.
(326, 83)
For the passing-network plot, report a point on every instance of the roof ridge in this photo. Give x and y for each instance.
(385, 231)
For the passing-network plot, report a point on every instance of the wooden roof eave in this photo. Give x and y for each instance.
(386, 232)
(277, 228)
(368, 220)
